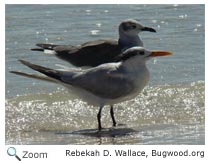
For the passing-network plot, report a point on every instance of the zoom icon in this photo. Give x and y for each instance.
(11, 151)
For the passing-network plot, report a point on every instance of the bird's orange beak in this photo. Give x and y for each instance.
(160, 53)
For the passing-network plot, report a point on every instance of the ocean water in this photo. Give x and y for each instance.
(170, 110)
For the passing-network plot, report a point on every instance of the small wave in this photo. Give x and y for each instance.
(59, 110)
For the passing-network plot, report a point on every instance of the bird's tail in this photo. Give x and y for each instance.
(52, 75)
(46, 48)
(44, 70)
(34, 76)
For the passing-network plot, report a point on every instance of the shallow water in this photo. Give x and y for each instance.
(159, 115)
(170, 110)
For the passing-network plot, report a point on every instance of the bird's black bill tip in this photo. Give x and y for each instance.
(150, 29)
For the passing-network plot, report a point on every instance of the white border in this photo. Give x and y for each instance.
(2, 79)
(57, 153)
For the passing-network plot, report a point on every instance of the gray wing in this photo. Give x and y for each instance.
(107, 81)
(103, 82)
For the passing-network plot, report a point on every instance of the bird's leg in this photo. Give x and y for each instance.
(112, 116)
(99, 119)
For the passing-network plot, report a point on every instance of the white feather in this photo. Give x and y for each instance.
(49, 52)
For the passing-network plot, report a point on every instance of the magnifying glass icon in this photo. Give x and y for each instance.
(11, 151)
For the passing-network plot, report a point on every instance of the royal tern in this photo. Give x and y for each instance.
(106, 84)
(94, 53)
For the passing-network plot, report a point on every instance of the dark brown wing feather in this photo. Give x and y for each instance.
(91, 53)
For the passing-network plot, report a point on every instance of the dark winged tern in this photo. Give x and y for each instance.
(94, 53)
(106, 84)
